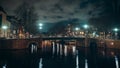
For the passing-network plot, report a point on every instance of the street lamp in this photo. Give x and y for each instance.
(40, 27)
(85, 26)
(86, 34)
(116, 30)
(40, 24)
(4, 28)
(77, 31)
(77, 28)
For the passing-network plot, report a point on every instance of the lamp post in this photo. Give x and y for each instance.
(41, 24)
(86, 31)
(85, 26)
(77, 28)
(4, 28)
(77, 31)
(86, 34)
(40, 27)
(116, 30)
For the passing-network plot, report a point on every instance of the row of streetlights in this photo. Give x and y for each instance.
(87, 26)
(77, 28)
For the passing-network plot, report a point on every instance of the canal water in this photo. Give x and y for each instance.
(60, 56)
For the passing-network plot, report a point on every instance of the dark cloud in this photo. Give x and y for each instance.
(83, 4)
(10, 5)
(60, 10)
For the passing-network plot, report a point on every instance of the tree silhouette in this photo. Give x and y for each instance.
(27, 17)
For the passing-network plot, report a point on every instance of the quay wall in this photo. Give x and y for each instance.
(25, 43)
(17, 43)
(109, 43)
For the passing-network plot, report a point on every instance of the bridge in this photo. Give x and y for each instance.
(26, 43)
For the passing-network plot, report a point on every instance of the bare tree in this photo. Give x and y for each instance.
(26, 14)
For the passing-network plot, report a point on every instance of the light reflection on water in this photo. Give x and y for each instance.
(4, 66)
(60, 56)
(61, 50)
(58, 49)
(77, 60)
(86, 63)
(53, 47)
(74, 50)
(116, 62)
(65, 50)
(40, 63)
(33, 48)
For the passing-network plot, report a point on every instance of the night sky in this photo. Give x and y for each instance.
(96, 12)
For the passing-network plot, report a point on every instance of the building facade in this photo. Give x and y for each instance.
(4, 24)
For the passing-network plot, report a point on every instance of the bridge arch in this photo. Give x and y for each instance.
(33, 44)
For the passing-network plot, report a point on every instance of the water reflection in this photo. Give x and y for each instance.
(57, 48)
(77, 60)
(53, 49)
(65, 50)
(40, 63)
(116, 62)
(61, 50)
(4, 66)
(33, 48)
(86, 63)
(74, 50)
(65, 56)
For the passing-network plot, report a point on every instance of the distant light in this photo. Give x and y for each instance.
(85, 26)
(40, 27)
(115, 29)
(81, 32)
(94, 33)
(97, 35)
(40, 24)
(4, 27)
(112, 43)
(77, 28)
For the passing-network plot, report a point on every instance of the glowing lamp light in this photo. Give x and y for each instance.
(112, 43)
(115, 29)
(76, 28)
(85, 26)
(40, 24)
(40, 27)
(4, 27)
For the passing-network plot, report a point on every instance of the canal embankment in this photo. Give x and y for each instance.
(109, 43)
(18, 43)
